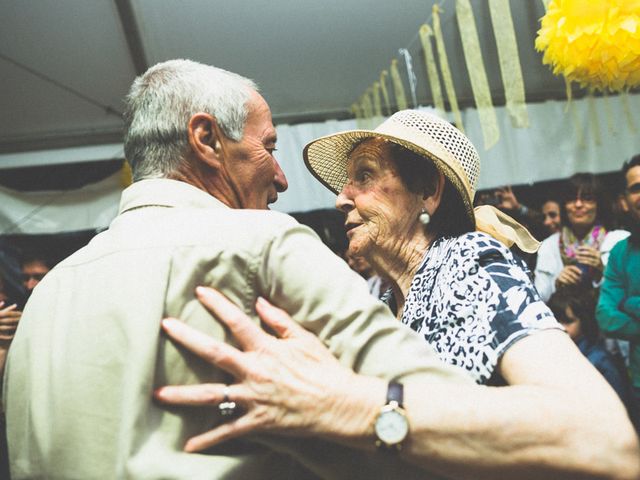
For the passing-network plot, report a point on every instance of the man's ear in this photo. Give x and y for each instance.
(203, 139)
(433, 194)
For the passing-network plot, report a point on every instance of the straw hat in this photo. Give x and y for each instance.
(431, 137)
(423, 133)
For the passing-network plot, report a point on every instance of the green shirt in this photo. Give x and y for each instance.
(88, 352)
(618, 311)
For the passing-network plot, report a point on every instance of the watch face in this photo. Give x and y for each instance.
(392, 427)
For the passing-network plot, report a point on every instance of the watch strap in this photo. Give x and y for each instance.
(395, 393)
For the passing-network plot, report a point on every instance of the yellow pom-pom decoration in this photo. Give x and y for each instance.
(593, 42)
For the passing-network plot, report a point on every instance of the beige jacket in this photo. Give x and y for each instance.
(88, 352)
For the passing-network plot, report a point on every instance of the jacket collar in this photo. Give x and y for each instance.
(162, 192)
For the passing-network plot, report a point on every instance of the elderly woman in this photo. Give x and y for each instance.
(406, 190)
(578, 253)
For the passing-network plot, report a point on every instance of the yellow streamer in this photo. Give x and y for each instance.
(444, 68)
(432, 70)
(398, 87)
(577, 125)
(357, 112)
(607, 108)
(477, 73)
(367, 108)
(385, 93)
(627, 112)
(509, 62)
(568, 91)
(377, 103)
(593, 117)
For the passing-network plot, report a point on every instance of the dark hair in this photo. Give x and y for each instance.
(420, 175)
(628, 165)
(583, 305)
(30, 257)
(587, 183)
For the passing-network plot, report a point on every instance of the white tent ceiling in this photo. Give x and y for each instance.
(65, 65)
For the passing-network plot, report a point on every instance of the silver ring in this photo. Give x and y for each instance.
(226, 408)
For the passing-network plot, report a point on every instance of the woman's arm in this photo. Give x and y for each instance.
(292, 385)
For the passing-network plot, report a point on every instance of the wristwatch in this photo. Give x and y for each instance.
(392, 425)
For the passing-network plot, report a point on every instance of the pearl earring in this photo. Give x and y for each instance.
(424, 218)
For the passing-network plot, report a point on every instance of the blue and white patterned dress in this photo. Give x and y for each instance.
(472, 299)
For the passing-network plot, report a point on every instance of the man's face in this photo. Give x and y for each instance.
(249, 164)
(32, 273)
(632, 193)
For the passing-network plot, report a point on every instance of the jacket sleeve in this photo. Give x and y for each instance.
(613, 320)
(544, 277)
(318, 289)
(632, 307)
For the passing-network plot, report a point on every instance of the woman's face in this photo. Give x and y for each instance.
(582, 210)
(551, 212)
(381, 213)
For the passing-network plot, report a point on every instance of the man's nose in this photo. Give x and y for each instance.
(280, 179)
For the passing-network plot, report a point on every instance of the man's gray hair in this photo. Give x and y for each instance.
(160, 104)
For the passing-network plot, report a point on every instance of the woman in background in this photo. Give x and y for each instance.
(576, 255)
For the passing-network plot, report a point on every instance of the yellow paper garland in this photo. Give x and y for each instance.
(593, 42)
(509, 59)
(477, 73)
(385, 93)
(398, 87)
(444, 68)
(430, 64)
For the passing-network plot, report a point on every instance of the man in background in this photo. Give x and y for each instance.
(618, 311)
(34, 267)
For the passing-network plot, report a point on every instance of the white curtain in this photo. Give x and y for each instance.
(557, 145)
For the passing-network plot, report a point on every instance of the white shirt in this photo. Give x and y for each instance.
(550, 264)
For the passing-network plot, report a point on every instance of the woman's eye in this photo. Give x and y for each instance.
(363, 176)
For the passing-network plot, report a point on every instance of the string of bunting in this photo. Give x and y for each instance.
(439, 73)
(477, 73)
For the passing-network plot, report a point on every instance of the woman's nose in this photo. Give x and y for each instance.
(344, 202)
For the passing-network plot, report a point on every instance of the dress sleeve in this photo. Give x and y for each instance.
(514, 306)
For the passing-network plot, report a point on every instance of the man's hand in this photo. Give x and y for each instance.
(9, 319)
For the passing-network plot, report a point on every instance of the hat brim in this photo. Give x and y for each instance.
(327, 157)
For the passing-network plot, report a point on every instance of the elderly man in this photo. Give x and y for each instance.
(618, 311)
(89, 351)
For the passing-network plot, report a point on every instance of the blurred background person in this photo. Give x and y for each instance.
(551, 216)
(359, 264)
(618, 310)
(9, 319)
(34, 267)
(575, 256)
